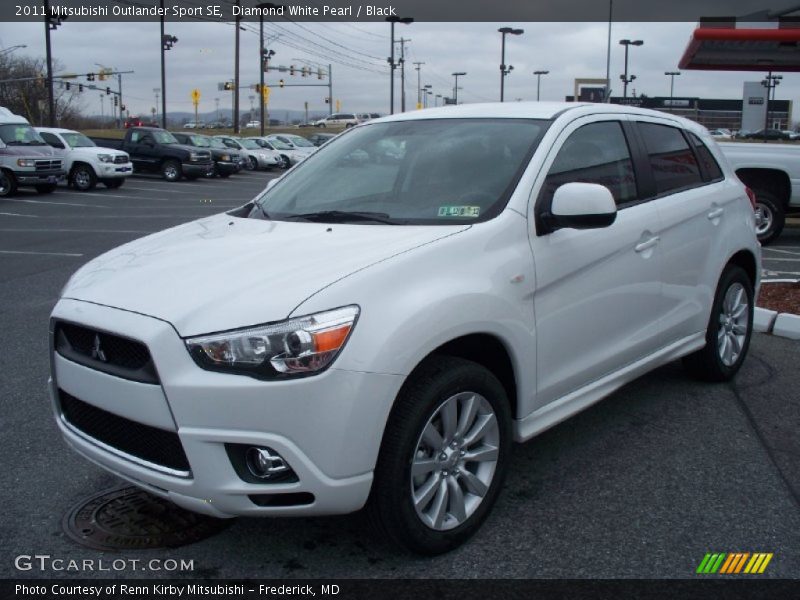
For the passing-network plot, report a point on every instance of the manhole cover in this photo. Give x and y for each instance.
(130, 518)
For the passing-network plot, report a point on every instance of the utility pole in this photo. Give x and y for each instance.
(330, 89)
(455, 87)
(163, 74)
(402, 61)
(505, 69)
(216, 102)
(50, 23)
(156, 91)
(236, 76)
(392, 65)
(418, 67)
(539, 82)
(671, 75)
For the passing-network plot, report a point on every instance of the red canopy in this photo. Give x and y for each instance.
(733, 49)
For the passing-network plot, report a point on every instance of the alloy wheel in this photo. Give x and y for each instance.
(734, 320)
(454, 461)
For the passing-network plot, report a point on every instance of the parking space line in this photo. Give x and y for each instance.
(771, 259)
(48, 230)
(40, 253)
(782, 251)
(56, 203)
(18, 215)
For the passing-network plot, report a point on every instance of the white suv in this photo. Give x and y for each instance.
(345, 120)
(85, 162)
(377, 327)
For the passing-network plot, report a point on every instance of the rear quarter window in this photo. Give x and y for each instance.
(709, 166)
(672, 161)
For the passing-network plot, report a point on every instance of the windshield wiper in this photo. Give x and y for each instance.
(343, 216)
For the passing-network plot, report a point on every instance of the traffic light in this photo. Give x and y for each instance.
(122, 107)
(327, 100)
(90, 77)
(303, 71)
(116, 101)
(291, 69)
(66, 85)
(281, 83)
(80, 87)
(108, 91)
(319, 73)
(228, 85)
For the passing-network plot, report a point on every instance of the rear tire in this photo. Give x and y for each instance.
(252, 164)
(729, 330)
(171, 170)
(772, 214)
(8, 185)
(83, 178)
(459, 462)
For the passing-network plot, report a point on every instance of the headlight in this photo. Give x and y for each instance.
(107, 158)
(26, 162)
(299, 346)
(194, 156)
(225, 158)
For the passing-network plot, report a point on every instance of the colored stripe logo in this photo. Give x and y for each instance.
(734, 563)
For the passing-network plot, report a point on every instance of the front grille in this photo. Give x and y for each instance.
(47, 165)
(157, 446)
(120, 159)
(105, 352)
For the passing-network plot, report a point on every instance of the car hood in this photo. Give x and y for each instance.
(95, 151)
(32, 151)
(226, 272)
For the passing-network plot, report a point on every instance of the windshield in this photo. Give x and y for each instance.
(300, 142)
(165, 137)
(250, 144)
(78, 140)
(216, 143)
(200, 141)
(20, 135)
(438, 171)
(279, 145)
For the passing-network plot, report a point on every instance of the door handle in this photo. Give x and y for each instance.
(716, 213)
(647, 245)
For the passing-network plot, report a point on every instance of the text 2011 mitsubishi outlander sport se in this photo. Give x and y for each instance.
(378, 326)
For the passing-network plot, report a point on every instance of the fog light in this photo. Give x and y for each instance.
(265, 463)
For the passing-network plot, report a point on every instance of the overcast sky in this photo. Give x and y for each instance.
(204, 55)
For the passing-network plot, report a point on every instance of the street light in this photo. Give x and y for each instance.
(503, 69)
(436, 99)
(167, 41)
(12, 48)
(455, 87)
(51, 23)
(771, 82)
(539, 81)
(625, 79)
(426, 91)
(392, 64)
(671, 75)
(263, 55)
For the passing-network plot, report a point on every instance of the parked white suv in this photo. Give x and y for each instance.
(378, 327)
(85, 162)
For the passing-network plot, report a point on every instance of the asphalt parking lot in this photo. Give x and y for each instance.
(641, 485)
(781, 259)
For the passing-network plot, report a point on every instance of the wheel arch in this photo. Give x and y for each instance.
(81, 163)
(747, 261)
(775, 181)
(487, 350)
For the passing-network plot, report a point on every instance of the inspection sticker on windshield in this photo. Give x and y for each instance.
(459, 211)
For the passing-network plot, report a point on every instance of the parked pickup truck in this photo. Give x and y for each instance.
(86, 163)
(156, 150)
(25, 159)
(772, 171)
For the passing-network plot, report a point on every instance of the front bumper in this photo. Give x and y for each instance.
(38, 177)
(114, 170)
(196, 169)
(328, 428)
(227, 168)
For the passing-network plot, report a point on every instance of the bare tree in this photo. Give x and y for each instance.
(29, 98)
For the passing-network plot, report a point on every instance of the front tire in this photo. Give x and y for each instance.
(444, 456)
(8, 185)
(171, 170)
(285, 162)
(252, 164)
(83, 178)
(730, 328)
(771, 215)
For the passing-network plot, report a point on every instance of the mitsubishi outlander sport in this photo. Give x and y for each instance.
(381, 323)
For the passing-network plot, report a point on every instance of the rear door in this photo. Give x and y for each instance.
(692, 209)
(598, 291)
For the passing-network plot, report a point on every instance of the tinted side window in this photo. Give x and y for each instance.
(51, 140)
(594, 153)
(672, 161)
(709, 165)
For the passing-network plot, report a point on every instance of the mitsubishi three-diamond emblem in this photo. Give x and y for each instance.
(97, 351)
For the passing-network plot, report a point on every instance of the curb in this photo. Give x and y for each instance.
(769, 321)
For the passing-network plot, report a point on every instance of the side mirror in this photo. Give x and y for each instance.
(582, 206)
